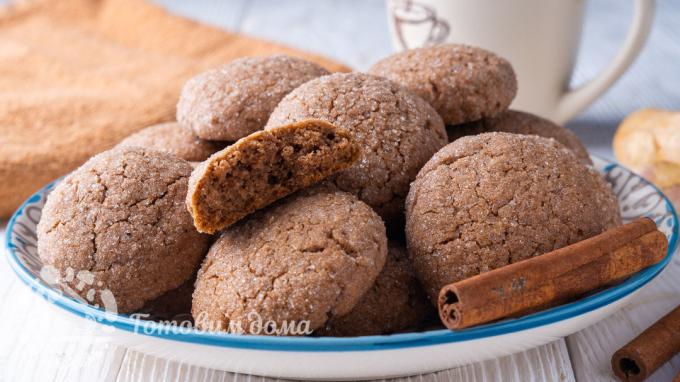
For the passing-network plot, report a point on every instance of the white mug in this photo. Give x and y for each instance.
(539, 37)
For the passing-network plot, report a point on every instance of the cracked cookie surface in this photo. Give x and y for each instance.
(463, 83)
(396, 302)
(519, 122)
(174, 139)
(308, 257)
(492, 199)
(121, 218)
(263, 167)
(398, 133)
(234, 100)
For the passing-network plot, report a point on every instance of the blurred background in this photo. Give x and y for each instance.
(356, 32)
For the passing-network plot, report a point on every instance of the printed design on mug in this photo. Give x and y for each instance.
(408, 14)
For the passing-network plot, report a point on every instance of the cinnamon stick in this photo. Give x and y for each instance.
(648, 351)
(554, 277)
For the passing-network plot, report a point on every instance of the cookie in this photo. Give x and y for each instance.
(301, 261)
(519, 122)
(397, 130)
(174, 139)
(232, 101)
(263, 167)
(463, 83)
(395, 303)
(120, 220)
(493, 199)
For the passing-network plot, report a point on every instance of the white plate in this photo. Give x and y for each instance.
(357, 357)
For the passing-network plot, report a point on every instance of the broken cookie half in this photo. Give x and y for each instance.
(264, 167)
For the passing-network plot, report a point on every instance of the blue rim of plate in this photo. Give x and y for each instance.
(334, 344)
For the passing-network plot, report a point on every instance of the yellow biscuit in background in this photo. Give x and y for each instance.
(648, 141)
(648, 136)
(662, 174)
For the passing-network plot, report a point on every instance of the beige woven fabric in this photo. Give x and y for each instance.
(77, 76)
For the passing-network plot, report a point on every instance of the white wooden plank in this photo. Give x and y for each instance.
(591, 349)
(546, 363)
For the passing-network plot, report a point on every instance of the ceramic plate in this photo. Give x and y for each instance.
(358, 357)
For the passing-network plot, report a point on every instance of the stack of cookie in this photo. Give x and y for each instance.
(311, 184)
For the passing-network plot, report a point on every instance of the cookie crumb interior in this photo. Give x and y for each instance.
(264, 167)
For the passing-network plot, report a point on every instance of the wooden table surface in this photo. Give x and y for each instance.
(37, 343)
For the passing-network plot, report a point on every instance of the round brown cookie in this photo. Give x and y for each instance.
(302, 260)
(488, 200)
(120, 219)
(463, 83)
(236, 99)
(398, 133)
(174, 139)
(519, 122)
(396, 302)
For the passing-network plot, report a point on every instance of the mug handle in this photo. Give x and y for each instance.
(577, 99)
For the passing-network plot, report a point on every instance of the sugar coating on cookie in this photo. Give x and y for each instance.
(174, 139)
(463, 83)
(306, 258)
(266, 166)
(519, 122)
(397, 130)
(396, 302)
(492, 199)
(120, 221)
(234, 100)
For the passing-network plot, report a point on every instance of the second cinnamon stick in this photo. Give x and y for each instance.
(554, 277)
(647, 352)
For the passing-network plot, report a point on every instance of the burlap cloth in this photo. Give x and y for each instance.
(76, 76)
